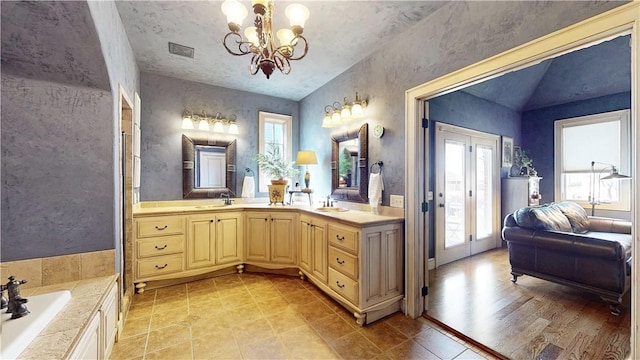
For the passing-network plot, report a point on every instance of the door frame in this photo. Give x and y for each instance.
(623, 19)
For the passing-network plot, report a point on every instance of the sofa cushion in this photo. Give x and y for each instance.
(576, 215)
(542, 217)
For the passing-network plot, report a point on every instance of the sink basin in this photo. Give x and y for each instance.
(331, 209)
(17, 334)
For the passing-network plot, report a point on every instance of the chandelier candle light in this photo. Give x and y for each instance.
(259, 38)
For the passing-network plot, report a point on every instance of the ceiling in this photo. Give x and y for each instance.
(599, 70)
(340, 34)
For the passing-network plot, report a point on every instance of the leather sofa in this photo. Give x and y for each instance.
(595, 257)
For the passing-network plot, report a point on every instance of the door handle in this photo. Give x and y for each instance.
(441, 205)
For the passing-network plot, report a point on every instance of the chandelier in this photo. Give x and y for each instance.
(259, 38)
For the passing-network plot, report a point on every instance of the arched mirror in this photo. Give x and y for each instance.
(349, 164)
(208, 168)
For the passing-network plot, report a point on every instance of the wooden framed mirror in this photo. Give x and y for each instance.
(208, 168)
(349, 164)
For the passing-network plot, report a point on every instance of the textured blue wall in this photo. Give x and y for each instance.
(538, 127)
(166, 98)
(456, 35)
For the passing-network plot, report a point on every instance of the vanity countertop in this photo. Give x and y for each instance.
(61, 335)
(354, 215)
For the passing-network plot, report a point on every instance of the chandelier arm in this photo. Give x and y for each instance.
(254, 66)
(282, 63)
(306, 48)
(244, 47)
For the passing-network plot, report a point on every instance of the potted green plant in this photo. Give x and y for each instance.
(274, 165)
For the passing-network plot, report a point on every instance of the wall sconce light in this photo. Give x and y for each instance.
(338, 114)
(216, 124)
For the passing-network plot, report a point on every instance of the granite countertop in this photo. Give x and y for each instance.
(355, 215)
(61, 335)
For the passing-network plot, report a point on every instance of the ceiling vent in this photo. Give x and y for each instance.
(181, 50)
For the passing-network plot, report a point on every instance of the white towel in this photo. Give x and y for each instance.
(376, 186)
(248, 187)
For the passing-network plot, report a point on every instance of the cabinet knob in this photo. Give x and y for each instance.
(218, 220)
(161, 248)
(161, 228)
(212, 220)
(339, 261)
(161, 267)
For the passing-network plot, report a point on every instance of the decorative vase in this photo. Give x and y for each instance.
(276, 193)
(515, 170)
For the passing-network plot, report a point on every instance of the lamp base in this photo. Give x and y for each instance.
(307, 179)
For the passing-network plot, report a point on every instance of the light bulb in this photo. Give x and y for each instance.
(297, 15)
(187, 123)
(251, 35)
(233, 129)
(286, 37)
(356, 110)
(218, 127)
(234, 11)
(326, 121)
(203, 125)
(345, 114)
(335, 118)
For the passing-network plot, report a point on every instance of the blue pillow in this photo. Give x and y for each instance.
(542, 217)
(576, 215)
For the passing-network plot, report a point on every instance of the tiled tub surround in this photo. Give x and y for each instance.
(59, 269)
(60, 337)
(353, 256)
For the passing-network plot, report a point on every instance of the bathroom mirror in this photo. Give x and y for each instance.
(208, 167)
(349, 164)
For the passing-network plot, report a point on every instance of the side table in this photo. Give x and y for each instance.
(303, 191)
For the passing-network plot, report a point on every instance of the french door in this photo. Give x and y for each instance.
(467, 183)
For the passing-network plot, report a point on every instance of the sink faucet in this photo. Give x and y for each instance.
(227, 198)
(329, 202)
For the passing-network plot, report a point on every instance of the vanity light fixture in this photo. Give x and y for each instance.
(259, 40)
(216, 124)
(338, 114)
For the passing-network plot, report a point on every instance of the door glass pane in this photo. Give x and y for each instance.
(454, 179)
(484, 192)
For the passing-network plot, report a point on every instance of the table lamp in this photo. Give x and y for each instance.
(306, 157)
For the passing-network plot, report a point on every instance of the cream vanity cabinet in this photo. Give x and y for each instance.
(271, 239)
(366, 268)
(214, 239)
(175, 246)
(96, 342)
(313, 247)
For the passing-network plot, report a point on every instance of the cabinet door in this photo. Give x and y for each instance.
(201, 250)
(228, 238)
(109, 313)
(319, 252)
(89, 344)
(283, 246)
(306, 250)
(257, 240)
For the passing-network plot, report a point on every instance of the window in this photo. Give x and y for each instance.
(274, 129)
(600, 138)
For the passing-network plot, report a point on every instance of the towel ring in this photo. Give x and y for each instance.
(249, 172)
(379, 163)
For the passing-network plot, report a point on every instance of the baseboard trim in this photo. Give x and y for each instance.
(465, 338)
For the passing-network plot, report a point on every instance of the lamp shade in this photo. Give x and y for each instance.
(615, 175)
(306, 157)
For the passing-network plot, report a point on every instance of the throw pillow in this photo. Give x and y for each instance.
(576, 215)
(542, 217)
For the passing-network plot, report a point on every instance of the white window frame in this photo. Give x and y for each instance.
(265, 118)
(623, 117)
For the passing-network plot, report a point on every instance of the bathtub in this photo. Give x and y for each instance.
(17, 334)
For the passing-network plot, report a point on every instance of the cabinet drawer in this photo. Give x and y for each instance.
(344, 286)
(160, 265)
(160, 226)
(344, 238)
(160, 246)
(343, 262)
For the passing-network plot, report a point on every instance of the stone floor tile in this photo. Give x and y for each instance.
(440, 344)
(167, 336)
(410, 350)
(181, 351)
(355, 346)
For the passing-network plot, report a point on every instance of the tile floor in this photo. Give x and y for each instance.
(262, 316)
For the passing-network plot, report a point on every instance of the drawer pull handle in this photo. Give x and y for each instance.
(341, 238)
(161, 267)
(339, 285)
(161, 228)
(339, 261)
(161, 248)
